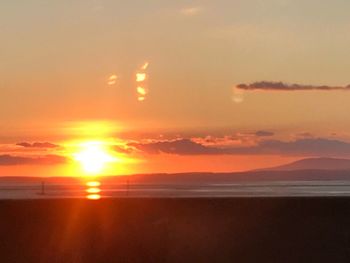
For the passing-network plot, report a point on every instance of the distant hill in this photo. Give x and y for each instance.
(313, 164)
(305, 169)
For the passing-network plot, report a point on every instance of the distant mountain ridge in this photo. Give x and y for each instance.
(322, 163)
(305, 169)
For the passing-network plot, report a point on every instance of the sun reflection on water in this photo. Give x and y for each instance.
(93, 184)
(93, 190)
(93, 197)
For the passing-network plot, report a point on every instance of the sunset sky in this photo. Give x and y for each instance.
(171, 86)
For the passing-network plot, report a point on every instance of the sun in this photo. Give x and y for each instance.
(93, 157)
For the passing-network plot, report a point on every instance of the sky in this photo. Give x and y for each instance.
(171, 86)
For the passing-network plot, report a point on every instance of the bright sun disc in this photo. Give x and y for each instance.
(93, 157)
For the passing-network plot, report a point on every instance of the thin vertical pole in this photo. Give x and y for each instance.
(127, 187)
(43, 188)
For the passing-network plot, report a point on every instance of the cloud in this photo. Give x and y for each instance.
(222, 141)
(121, 149)
(233, 140)
(264, 133)
(299, 147)
(45, 145)
(304, 135)
(180, 147)
(305, 146)
(43, 160)
(280, 86)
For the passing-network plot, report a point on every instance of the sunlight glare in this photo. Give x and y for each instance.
(94, 157)
(140, 77)
(112, 80)
(141, 91)
(145, 66)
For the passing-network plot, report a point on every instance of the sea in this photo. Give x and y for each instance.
(47, 190)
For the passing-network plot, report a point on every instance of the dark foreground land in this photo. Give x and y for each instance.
(176, 230)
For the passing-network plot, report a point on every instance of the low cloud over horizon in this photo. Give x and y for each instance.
(43, 145)
(281, 86)
(259, 143)
(7, 160)
(304, 147)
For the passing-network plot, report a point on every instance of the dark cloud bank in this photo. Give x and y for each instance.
(45, 145)
(300, 147)
(264, 133)
(280, 86)
(43, 160)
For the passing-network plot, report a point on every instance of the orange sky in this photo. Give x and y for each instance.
(172, 86)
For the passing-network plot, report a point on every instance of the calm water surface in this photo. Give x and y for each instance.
(95, 190)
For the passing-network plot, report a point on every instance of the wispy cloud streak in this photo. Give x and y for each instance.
(37, 145)
(281, 86)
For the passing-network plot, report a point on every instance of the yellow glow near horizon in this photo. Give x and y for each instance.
(91, 130)
(94, 157)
